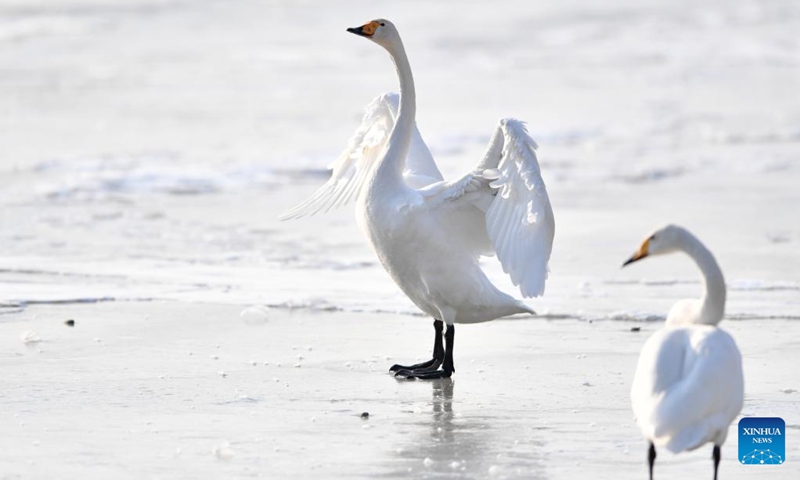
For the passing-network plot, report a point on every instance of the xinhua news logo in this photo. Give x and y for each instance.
(762, 441)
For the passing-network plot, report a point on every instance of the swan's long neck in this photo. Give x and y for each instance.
(713, 300)
(390, 171)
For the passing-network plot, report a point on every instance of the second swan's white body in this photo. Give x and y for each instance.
(688, 387)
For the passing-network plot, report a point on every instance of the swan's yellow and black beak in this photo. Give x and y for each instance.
(640, 254)
(366, 30)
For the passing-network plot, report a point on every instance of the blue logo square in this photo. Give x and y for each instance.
(762, 441)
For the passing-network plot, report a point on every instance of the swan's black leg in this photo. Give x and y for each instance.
(716, 456)
(447, 367)
(651, 458)
(438, 353)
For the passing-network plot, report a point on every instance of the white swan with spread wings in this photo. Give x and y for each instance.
(429, 233)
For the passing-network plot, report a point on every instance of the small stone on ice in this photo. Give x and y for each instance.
(587, 384)
(223, 374)
(365, 415)
(69, 323)
(636, 329)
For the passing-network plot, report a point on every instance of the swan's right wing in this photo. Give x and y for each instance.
(352, 168)
(520, 220)
(506, 199)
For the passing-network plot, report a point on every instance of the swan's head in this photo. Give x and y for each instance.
(663, 240)
(380, 31)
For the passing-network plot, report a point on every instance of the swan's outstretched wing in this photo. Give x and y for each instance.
(363, 151)
(507, 197)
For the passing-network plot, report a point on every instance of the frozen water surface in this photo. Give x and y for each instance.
(148, 146)
(530, 399)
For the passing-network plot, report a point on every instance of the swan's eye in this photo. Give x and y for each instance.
(383, 24)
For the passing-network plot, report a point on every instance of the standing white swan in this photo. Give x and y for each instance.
(688, 386)
(429, 233)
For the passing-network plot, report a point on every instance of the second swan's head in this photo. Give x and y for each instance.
(380, 31)
(664, 240)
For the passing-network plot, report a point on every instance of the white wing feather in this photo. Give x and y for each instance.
(506, 193)
(362, 154)
(520, 220)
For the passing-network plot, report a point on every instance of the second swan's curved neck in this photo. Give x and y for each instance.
(393, 163)
(713, 301)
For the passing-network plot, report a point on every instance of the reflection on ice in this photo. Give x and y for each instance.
(451, 438)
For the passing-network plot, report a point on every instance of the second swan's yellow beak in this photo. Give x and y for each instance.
(640, 254)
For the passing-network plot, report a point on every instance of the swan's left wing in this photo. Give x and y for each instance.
(362, 154)
(508, 199)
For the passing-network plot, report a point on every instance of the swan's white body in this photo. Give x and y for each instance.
(429, 233)
(688, 385)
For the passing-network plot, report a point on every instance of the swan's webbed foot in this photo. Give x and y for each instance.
(441, 357)
(425, 374)
(431, 364)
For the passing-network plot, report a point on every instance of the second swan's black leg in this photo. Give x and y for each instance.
(447, 366)
(651, 458)
(716, 460)
(438, 352)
